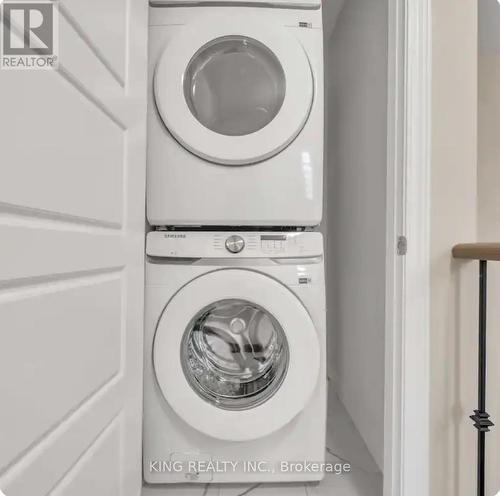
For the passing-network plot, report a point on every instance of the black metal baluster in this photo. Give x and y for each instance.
(481, 418)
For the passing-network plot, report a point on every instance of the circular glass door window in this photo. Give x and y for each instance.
(234, 85)
(234, 354)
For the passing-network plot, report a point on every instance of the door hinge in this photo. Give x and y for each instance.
(402, 245)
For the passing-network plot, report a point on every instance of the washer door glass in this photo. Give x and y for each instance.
(234, 354)
(235, 85)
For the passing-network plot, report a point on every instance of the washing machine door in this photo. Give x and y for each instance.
(236, 355)
(234, 92)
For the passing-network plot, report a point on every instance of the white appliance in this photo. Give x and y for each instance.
(234, 357)
(235, 124)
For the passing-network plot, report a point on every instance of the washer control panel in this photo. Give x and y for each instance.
(195, 244)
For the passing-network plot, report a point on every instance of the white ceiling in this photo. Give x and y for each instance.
(489, 26)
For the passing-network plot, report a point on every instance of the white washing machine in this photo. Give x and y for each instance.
(235, 124)
(235, 378)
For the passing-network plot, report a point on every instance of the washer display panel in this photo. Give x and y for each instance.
(236, 354)
(236, 92)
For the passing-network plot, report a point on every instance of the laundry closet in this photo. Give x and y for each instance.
(230, 304)
(246, 129)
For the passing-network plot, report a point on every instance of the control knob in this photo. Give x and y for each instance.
(235, 244)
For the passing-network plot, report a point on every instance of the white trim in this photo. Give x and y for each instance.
(395, 209)
(408, 288)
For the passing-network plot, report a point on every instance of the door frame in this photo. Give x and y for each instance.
(407, 415)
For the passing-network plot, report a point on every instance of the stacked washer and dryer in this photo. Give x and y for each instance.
(235, 336)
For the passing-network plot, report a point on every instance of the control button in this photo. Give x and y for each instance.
(235, 244)
(273, 247)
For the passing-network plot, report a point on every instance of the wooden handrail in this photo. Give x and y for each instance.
(477, 251)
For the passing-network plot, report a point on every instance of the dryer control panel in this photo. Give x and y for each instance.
(194, 244)
(291, 4)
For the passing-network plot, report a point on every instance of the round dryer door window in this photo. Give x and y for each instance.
(235, 86)
(234, 93)
(236, 354)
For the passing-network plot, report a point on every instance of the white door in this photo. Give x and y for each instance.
(72, 179)
(227, 354)
(234, 92)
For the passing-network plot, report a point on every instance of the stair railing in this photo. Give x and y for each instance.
(483, 252)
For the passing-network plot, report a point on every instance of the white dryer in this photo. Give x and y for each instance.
(235, 377)
(235, 124)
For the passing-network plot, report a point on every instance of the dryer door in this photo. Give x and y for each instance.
(234, 92)
(236, 355)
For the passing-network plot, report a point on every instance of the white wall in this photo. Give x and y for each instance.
(356, 79)
(453, 220)
(489, 207)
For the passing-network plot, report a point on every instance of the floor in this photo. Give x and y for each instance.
(344, 444)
